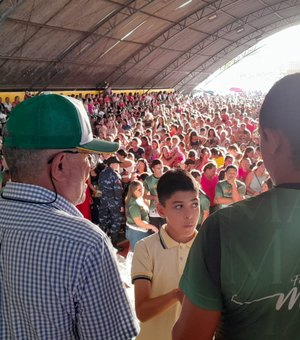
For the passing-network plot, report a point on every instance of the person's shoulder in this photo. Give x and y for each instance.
(150, 243)
(75, 229)
(240, 183)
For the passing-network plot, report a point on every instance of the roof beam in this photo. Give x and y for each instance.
(13, 5)
(89, 39)
(200, 47)
(260, 33)
(159, 40)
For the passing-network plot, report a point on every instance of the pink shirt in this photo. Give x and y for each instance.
(209, 187)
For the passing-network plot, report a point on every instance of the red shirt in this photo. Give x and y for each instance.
(209, 187)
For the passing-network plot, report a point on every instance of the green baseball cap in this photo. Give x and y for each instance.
(52, 121)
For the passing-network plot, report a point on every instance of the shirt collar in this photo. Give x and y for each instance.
(35, 193)
(167, 242)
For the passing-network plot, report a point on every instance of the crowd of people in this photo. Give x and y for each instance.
(214, 138)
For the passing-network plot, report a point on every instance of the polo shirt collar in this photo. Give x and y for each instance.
(167, 242)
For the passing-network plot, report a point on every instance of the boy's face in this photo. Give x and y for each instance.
(181, 211)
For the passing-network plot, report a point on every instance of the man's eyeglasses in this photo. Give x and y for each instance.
(92, 158)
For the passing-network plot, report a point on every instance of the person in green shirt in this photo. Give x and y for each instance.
(150, 186)
(136, 210)
(242, 277)
(229, 190)
(204, 200)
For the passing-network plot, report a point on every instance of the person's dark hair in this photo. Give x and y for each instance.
(209, 166)
(227, 157)
(122, 153)
(144, 161)
(248, 150)
(143, 176)
(195, 173)
(173, 181)
(155, 162)
(280, 111)
(192, 153)
(231, 166)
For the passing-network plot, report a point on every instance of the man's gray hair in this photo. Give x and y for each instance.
(25, 164)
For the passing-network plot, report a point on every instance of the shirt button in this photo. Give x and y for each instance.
(180, 258)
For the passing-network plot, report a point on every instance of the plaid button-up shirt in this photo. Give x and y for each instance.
(58, 276)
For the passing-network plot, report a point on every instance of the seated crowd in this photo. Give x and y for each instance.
(213, 137)
(131, 194)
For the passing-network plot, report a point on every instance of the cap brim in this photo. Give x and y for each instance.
(99, 146)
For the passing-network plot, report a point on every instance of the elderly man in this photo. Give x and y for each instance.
(242, 277)
(58, 276)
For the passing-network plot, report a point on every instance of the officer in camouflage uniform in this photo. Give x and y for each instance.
(111, 206)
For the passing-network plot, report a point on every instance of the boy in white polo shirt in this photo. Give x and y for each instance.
(159, 260)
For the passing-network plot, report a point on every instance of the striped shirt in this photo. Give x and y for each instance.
(58, 274)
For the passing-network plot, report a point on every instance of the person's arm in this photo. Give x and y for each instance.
(147, 307)
(219, 198)
(138, 221)
(194, 320)
(236, 196)
(98, 281)
(205, 215)
(248, 182)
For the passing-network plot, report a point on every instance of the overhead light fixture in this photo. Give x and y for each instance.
(185, 4)
(240, 30)
(212, 17)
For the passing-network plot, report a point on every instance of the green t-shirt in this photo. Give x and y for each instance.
(150, 185)
(245, 262)
(224, 189)
(204, 206)
(136, 208)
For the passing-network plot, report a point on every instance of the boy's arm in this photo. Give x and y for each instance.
(195, 322)
(146, 307)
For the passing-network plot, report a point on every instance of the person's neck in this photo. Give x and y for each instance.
(179, 238)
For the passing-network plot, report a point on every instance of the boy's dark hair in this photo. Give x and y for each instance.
(196, 173)
(231, 166)
(155, 162)
(122, 153)
(173, 181)
(280, 111)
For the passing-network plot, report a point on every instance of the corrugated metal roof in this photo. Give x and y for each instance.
(130, 44)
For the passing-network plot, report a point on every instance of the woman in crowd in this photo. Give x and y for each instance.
(212, 138)
(249, 153)
(141, 166)
(165, 155)
(155, 152)
(147, 147)
(137, 219)
(244, 169)
(193, 141)
(256, 180)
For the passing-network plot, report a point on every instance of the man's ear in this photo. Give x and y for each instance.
(274, 139)
(161, 210)
(57, 167)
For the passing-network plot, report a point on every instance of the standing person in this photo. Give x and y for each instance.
(111, 206)
(242, 277)
(58, 275)
(137, 219)
(150, 185)
(158, 260)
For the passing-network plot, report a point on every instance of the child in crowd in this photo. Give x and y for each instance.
(159, 260)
